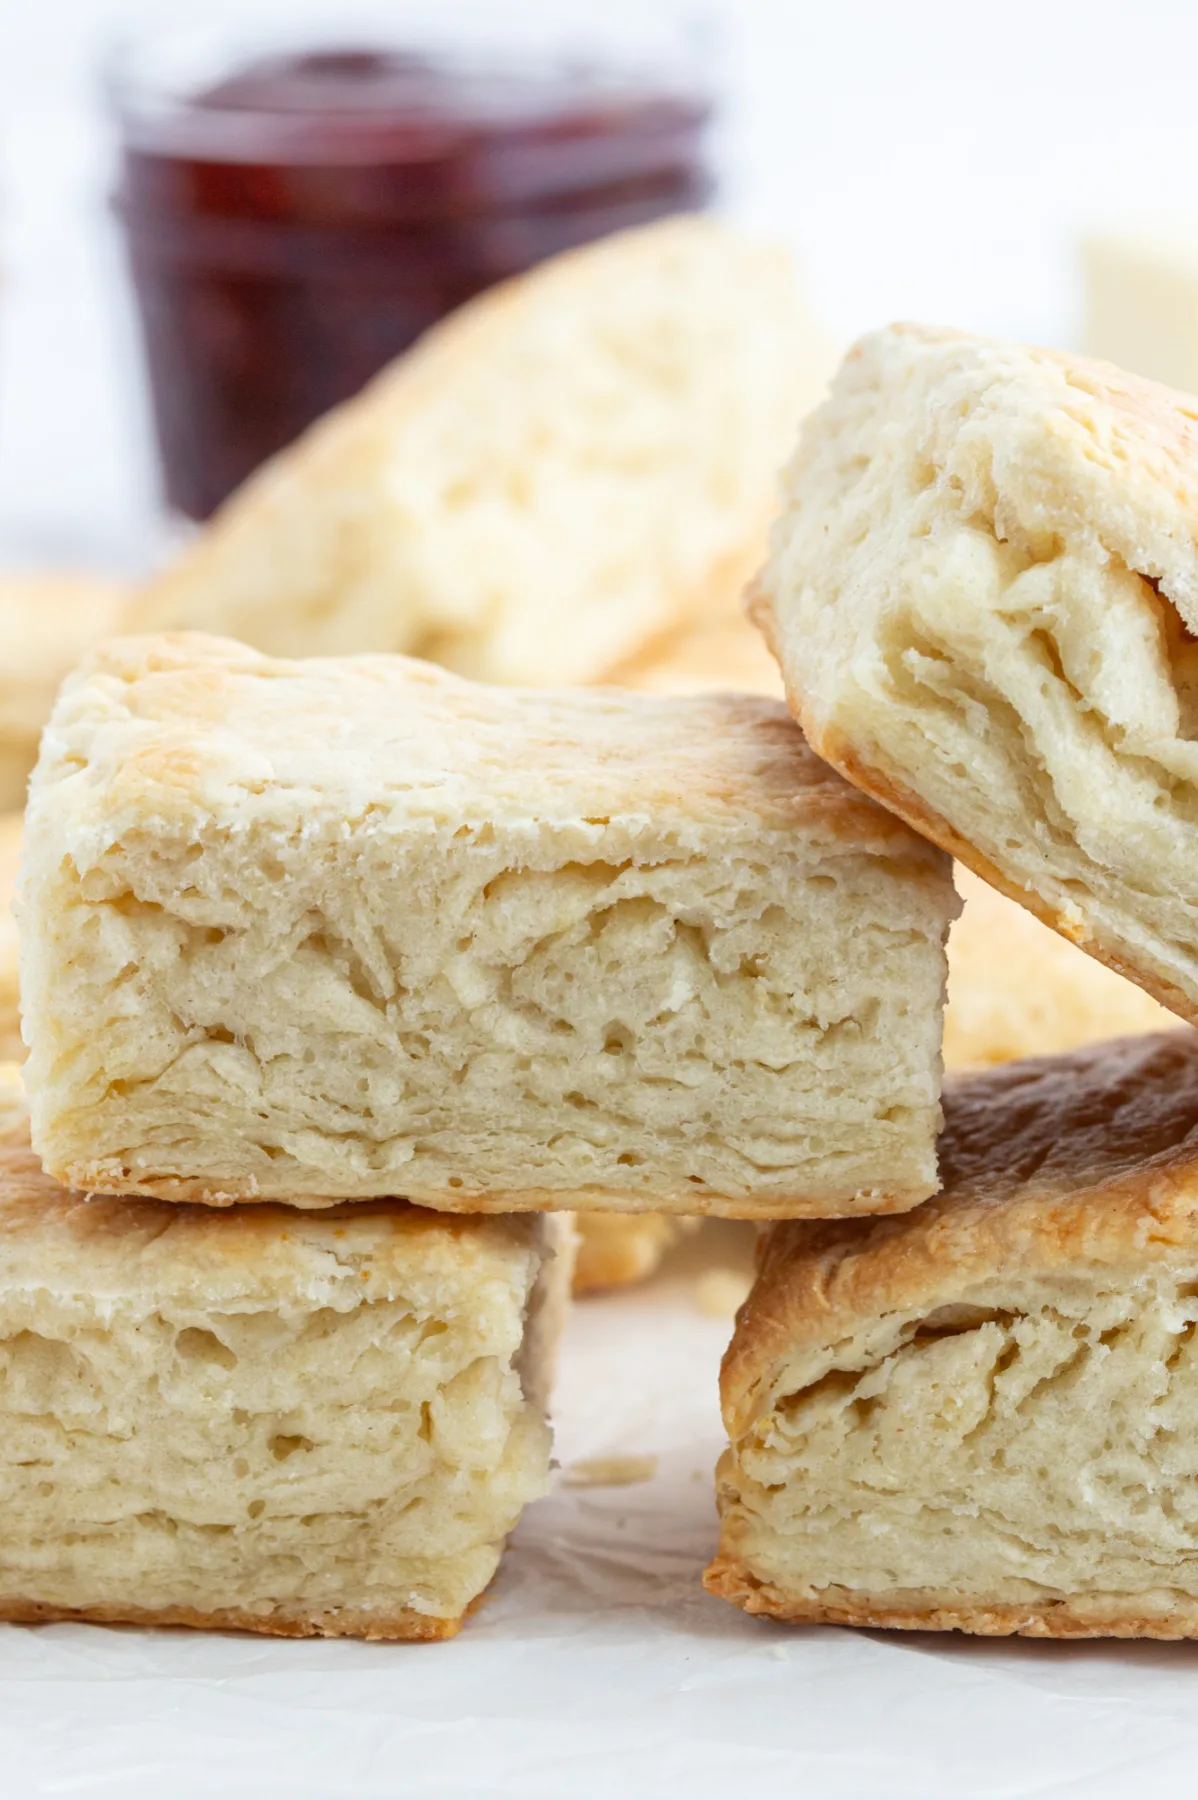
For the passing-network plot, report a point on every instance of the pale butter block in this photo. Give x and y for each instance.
(1141, 302)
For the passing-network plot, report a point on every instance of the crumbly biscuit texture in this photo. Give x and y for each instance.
(11, 1048)
(47, 622)
(981, 1416)
(261, 1419)
(564, 469)
(1017, 988)
(983, 593)
(717, 655)
(334, 929)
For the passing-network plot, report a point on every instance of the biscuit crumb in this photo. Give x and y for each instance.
(610, 1471)
(719, 1292)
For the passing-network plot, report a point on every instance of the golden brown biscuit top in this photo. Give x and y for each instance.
(1085, 1158)
(204, 731)
(1045, 444)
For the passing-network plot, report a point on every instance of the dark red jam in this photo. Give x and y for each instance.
(296, 225)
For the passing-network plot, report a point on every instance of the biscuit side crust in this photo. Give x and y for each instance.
(905, 804)
(1090, 1616)
(969, 1415)
(265, 1421)
(149, 1184)
(402, 1626)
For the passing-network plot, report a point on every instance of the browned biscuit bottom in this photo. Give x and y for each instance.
(729, 1578)
(405, 1626)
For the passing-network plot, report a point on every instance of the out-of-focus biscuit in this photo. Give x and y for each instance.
(11, 1047)
(569, 466)
(1017, 988)
(46, 624)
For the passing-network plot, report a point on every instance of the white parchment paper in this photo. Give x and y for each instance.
(598, 1667)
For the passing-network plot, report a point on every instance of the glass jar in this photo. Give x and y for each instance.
(299, 206)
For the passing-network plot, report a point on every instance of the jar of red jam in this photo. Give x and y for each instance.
(296, 214)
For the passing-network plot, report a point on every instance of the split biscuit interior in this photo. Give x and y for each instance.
(983, 592)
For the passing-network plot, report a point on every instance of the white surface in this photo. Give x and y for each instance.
(598, 1669)
(928, 159)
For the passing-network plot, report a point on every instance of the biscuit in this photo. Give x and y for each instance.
(1016, 988)
(619, 1249)
(984, 1416)
(566, 468)
(983, 593)
(333, 929)
(263, 1419)
(14, 1112)
(725, 655)
(11, 1047)
(716, 655)
(46, 624)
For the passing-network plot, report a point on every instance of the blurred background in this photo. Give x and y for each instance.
(927, 160)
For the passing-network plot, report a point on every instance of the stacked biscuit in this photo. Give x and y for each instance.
(984, 598)
(302, 936)
(261, 1418)
(567, 481)
(346, 981)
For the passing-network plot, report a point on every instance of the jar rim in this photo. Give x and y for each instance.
(160, 70)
